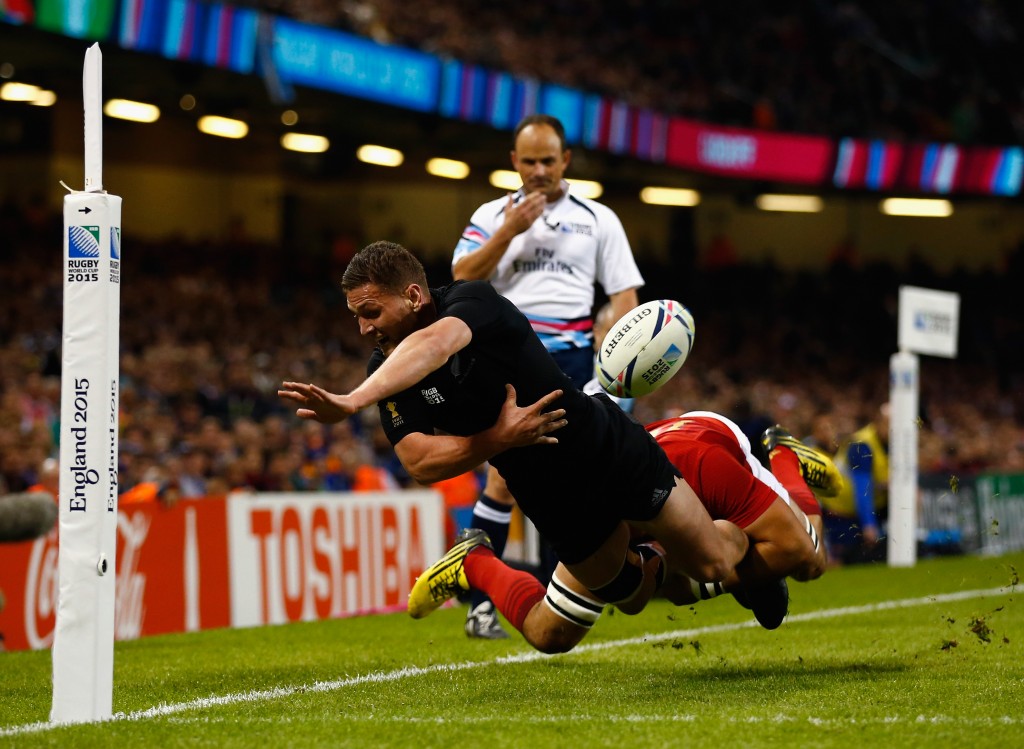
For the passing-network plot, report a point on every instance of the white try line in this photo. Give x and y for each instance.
(379, 677)
(501, 718)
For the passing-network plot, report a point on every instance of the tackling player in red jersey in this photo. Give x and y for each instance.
(777, 510)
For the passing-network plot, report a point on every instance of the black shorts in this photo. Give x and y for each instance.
(577, 363)
(578, 495)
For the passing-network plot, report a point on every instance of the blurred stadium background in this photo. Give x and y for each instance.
(234, 246)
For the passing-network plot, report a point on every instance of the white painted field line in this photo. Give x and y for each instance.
(379, 677)
(501, 718)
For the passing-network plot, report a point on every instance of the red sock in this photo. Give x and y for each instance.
(786, 467)
(513, 592)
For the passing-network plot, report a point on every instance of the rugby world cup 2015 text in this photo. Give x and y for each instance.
(658, 370)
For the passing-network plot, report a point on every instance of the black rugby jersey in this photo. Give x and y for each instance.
(604, 468)
(465, 395)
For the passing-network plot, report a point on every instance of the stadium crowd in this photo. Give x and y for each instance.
(209, 332)
(935, 70)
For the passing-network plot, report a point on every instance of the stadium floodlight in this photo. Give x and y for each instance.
(586, 188)
(923, 207)
(448, 168)
(380, 155)
(223, 127)
(305, 143)
(289, 117)
(505, 179)
(13, 91)
(675, 196)
(44, 99)
(134, 111)
(789, 203)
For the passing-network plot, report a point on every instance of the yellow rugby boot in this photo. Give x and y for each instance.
(816, 467)
(445, 578)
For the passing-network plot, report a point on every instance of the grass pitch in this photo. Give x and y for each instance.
(929, 656)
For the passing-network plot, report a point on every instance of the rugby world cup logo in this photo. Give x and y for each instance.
(83, 242)
(83, 253)
(672, 354)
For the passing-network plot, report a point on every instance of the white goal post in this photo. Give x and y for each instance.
(83, 643)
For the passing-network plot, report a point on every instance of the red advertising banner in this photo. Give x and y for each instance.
(873, 164)
(241, 561)
(748, 154)
(294, 557)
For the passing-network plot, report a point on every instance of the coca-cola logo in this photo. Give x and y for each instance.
(42, 589)
(41, 592)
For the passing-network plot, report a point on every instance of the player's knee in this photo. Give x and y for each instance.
(575, 613)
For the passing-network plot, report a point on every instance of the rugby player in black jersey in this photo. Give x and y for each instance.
(450, 368)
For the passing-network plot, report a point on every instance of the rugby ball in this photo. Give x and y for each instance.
(645, 348)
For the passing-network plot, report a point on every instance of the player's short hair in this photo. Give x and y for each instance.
(540, 119)
(386, 264)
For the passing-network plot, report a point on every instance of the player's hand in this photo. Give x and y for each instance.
(316, 403)
(520, 216)
(530, 425)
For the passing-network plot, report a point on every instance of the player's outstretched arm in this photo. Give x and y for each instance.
(419, 354)
(413, 359)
